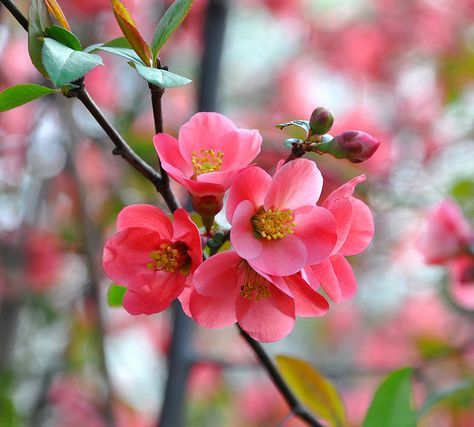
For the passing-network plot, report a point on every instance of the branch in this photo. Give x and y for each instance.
(16, 13)
(294, 404)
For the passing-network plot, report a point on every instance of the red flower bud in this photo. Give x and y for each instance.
(321, 120)
(353, 145)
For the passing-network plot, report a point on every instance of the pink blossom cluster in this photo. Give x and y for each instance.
(448, 240)
(286, 245)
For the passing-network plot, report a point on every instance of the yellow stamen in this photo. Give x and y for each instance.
(169, 258)
(255, 287)
(206, 161)
(272, 224)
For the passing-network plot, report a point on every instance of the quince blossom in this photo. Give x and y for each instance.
(276, 225)
(206, 158)
(226, 289)
(152, 257)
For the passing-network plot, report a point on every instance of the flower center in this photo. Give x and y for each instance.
(169, 258)
(206, 161)
(272, 224)
(255, 287)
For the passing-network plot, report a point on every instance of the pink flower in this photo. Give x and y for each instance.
(462, 280)
(226, 289)
(355, 229)
(152, 257)
(209, 153)
(354, 145)
(447, 234)
(276, 225)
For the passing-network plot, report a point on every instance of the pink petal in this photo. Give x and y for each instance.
(217, 276)
(200, 188)
(184, 299)
(126, 255)
(186, 231)
(267, 319)
(242, 234)
(145, 216)
(361, 231)
(252, 184)
(167, 148)
(308, 303)
(203, 131)
(212, 312)
(324, 274)
(240, 147)
(281, 257)
(224, 178)
(346, 190)
(342, 212)
(345, 275)
(317, 230)
(297, 183)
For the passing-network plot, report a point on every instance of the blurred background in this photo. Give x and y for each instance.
(402, 70)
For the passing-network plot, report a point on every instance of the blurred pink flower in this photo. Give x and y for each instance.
(447, 234)
(276, 225)
(462, 279)
(355, 229)
(152, 257)
(226, 289)
(207, 156)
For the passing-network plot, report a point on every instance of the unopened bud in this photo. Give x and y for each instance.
(353, 145)
(321, 120)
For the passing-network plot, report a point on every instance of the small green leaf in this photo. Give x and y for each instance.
(161, 78)
(129, 54)
(462, 392)
(64, 37)
(15, 96)
(169, 22)
(392, 402)
(64, 64)
(115, 295)
(38, 21)
(315, 391)
(296, 128)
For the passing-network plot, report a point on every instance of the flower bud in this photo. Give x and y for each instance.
(321, 120)
(353, 145)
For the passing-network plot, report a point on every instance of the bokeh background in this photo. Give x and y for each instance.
(402, 70)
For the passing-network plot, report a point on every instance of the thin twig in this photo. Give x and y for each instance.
(16, 13)
(279, 382)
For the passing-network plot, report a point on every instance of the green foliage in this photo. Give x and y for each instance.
(392, 402)
(462, 393)
(115, 295)
(64, 37)
(314, 390)
(295, 129)
(462, 191)
(161, 78)
(169, 23)
(64, 64)
(38, 21)
(15, 96)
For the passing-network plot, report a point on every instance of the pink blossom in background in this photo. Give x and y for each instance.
(152, 257)
(226, 289)
(355, 230)
(207, 157)
(276, 225)
(447, 233)
(462, 280)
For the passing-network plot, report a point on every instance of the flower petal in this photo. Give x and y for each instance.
(324, 274)
(346, 190)
(186, 231)
(297, 183)
(362, 229)
(242, 235)
(267, 319)
(145, 216)
(252, 184)
(217, 276)
(212, 312)
(308, 303)
(281, 257)
(345, 275)
(240, 147)
(167, 148)
(342, 212)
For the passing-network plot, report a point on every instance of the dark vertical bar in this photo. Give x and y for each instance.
(181, 354)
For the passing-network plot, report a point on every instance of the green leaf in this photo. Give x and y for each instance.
(115, 295)
(315, 391)
(460, 393)
(15, 96)
(64, 64)
(392, 402)
(64, 37)
(161, 78)
(296, 129)
(129, 54)
(38, 21)
(169, 22)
